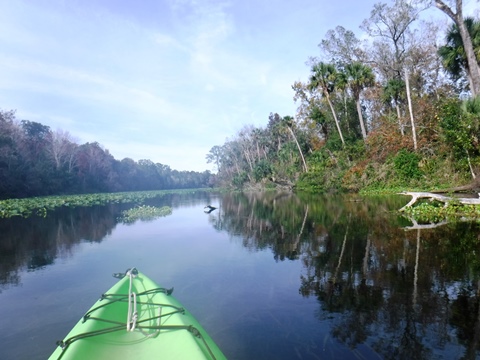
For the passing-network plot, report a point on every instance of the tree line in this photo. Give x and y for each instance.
(35, 161)
(398, 108)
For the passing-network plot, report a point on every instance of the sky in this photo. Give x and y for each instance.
(164, 80)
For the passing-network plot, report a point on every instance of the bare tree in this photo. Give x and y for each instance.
(62, 149)
(342, 47)
(390, 26)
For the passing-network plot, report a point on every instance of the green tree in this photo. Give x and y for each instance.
(214, 156)
(325, 77)
(472, 60)
(277, 134)
(358, 77)
(11, 160)
(394, 91)
(453, 54)
(460, 130)
(38, 164)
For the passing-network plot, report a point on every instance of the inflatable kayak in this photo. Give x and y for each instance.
(137, 319)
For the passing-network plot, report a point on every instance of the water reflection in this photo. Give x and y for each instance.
(404, 291)
(36, 242)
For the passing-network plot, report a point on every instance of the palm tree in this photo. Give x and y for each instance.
(359, 77)
(394, 90)
(325, 77)
(472, 106)
(453, 54)
(467, 41)
(288, 121)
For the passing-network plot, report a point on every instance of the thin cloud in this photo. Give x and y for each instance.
(166, 85)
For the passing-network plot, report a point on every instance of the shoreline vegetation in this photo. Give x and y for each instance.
(439, 209)
(40, 206)
(399, 111)
(424, 210)
(390, 114)
(396, 112)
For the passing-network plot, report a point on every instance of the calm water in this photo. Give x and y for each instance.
(270, 276)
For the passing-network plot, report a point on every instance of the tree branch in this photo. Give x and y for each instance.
(443, 7)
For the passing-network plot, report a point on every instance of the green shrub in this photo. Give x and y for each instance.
(262, 170)
(406, 165)
(240, 179)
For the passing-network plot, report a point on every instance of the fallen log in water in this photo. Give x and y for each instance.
(444, 199)
(417, 226)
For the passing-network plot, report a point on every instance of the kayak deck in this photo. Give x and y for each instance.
(137, 319)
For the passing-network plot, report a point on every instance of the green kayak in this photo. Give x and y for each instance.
(137, 319)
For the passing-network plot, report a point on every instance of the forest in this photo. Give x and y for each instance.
(36, 161)
(397, 109)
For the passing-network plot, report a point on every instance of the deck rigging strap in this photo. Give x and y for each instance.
(65, 344)
(132, 314)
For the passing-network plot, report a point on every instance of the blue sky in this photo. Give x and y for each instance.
(163, 80)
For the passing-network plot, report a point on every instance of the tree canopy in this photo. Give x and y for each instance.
(37, 161)
(366, 107)
(394, 102)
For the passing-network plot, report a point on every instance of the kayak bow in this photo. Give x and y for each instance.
(137, 319)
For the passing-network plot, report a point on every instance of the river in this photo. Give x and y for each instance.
(268, 275)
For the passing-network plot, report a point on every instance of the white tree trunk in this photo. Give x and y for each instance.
(470, 165)
(360, 117)
(467, 42)
(399, 117)
(414, 133)
(299, 149)
(335, 117)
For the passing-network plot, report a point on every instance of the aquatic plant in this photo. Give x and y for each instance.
(434, 212)
(41, 205)
(144, 213)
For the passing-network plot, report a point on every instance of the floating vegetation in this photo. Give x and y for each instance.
(434, 212)
(41, 205)
(144, 213)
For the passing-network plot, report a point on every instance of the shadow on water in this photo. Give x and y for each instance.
(403, 294)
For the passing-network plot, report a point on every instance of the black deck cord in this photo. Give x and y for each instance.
(190, 328)
(122, 297)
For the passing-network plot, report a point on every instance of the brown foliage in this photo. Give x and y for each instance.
(386, 140)
(427, 118)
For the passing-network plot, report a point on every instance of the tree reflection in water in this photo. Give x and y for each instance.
(405, 291)
(36, 242)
